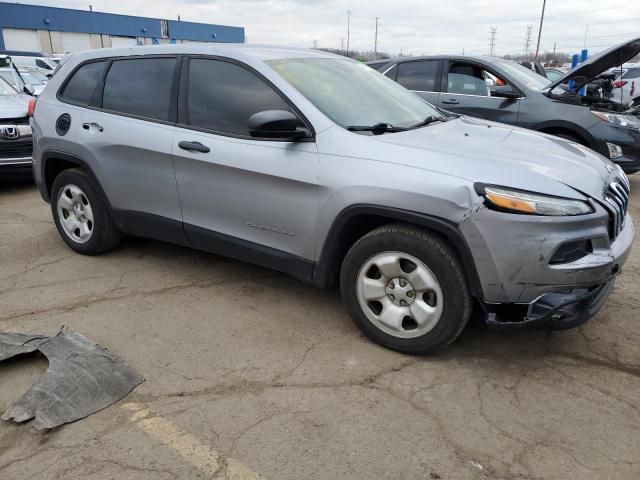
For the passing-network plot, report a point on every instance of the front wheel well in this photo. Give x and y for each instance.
(567, 133)
(352, 226)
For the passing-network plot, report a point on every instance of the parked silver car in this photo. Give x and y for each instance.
(15, 132)
(321, 167)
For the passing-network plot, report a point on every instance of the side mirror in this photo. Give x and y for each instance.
(504, 91)
(276, 124)
(29, 90)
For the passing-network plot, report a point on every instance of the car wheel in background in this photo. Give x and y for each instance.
(405, 289)
(81, 213)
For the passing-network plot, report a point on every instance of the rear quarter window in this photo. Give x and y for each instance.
(82, 84)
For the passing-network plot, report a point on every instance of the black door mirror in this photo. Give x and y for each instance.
(28, 89)
(276, 124)
(504, 91)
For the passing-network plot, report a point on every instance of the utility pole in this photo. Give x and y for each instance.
(375, 44)
(544, 4)
(585, 37)
(527, 42)
(348, 29)
(492, 41)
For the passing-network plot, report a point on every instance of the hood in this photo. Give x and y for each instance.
(594, 66)
(14, 106)
(499, 154)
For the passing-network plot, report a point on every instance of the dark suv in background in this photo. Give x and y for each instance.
(504, 91)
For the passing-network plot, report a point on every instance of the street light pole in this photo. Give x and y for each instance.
(544, 4)
(348, 29)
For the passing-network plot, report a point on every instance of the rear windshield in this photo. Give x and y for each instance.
(6, 89)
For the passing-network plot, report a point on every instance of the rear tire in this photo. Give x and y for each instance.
(81, 213)
(405, 289)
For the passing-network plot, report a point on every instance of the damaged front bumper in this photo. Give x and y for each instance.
(522, 281)
(554, 311)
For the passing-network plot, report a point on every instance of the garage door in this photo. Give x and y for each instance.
(75, 42)
(18, 39)
(124, 41)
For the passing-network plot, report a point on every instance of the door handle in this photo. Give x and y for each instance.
(451, 101)
(87, 126)
(194, 147)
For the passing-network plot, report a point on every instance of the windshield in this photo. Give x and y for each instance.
(526, 77)
(351, 93)
(5, 88)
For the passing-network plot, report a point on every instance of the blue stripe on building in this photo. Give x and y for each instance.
(34, 17)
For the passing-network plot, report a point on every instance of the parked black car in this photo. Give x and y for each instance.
(504, 91)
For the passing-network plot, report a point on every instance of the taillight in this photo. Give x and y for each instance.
(32, 107)
(619, 83)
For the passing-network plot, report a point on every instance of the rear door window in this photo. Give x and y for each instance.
(141, 87)
(80, 88)
(419, 76)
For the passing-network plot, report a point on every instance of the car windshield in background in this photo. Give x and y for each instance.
(5, 88)
(528, 78)
(351, 93)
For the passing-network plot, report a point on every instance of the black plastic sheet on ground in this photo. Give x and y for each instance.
(83, 378)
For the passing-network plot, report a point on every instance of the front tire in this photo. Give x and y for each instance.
(405, 289)
(81, 213)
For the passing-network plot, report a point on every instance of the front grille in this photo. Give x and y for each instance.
(15, 149)
(15, 121)
(617, 200)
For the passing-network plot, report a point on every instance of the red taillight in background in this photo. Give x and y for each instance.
(32, 107)
(619, 83)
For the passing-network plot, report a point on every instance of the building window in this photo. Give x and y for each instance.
(164, 28)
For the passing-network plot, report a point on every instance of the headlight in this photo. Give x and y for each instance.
(533, 203)
(628, 121)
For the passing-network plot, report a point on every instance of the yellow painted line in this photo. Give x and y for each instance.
(188, 446)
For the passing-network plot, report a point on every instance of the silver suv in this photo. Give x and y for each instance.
(320, 167)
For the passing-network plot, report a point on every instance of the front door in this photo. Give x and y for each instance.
(248, 198)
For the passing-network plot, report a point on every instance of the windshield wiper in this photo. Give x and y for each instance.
(377, 129)
(426, 121)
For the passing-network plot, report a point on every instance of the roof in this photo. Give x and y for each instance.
(483, 58)
(235, 50)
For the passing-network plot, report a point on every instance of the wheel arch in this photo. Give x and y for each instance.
(355, 221)
(571, 129)
(54, 162)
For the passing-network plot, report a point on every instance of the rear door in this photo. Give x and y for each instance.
(241, 196)
(420, 76)
(467, 90)
(126, 133)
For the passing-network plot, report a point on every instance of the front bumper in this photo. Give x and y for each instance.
(555, 311)
(512, 256)
(16, 154)
(627, 138)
